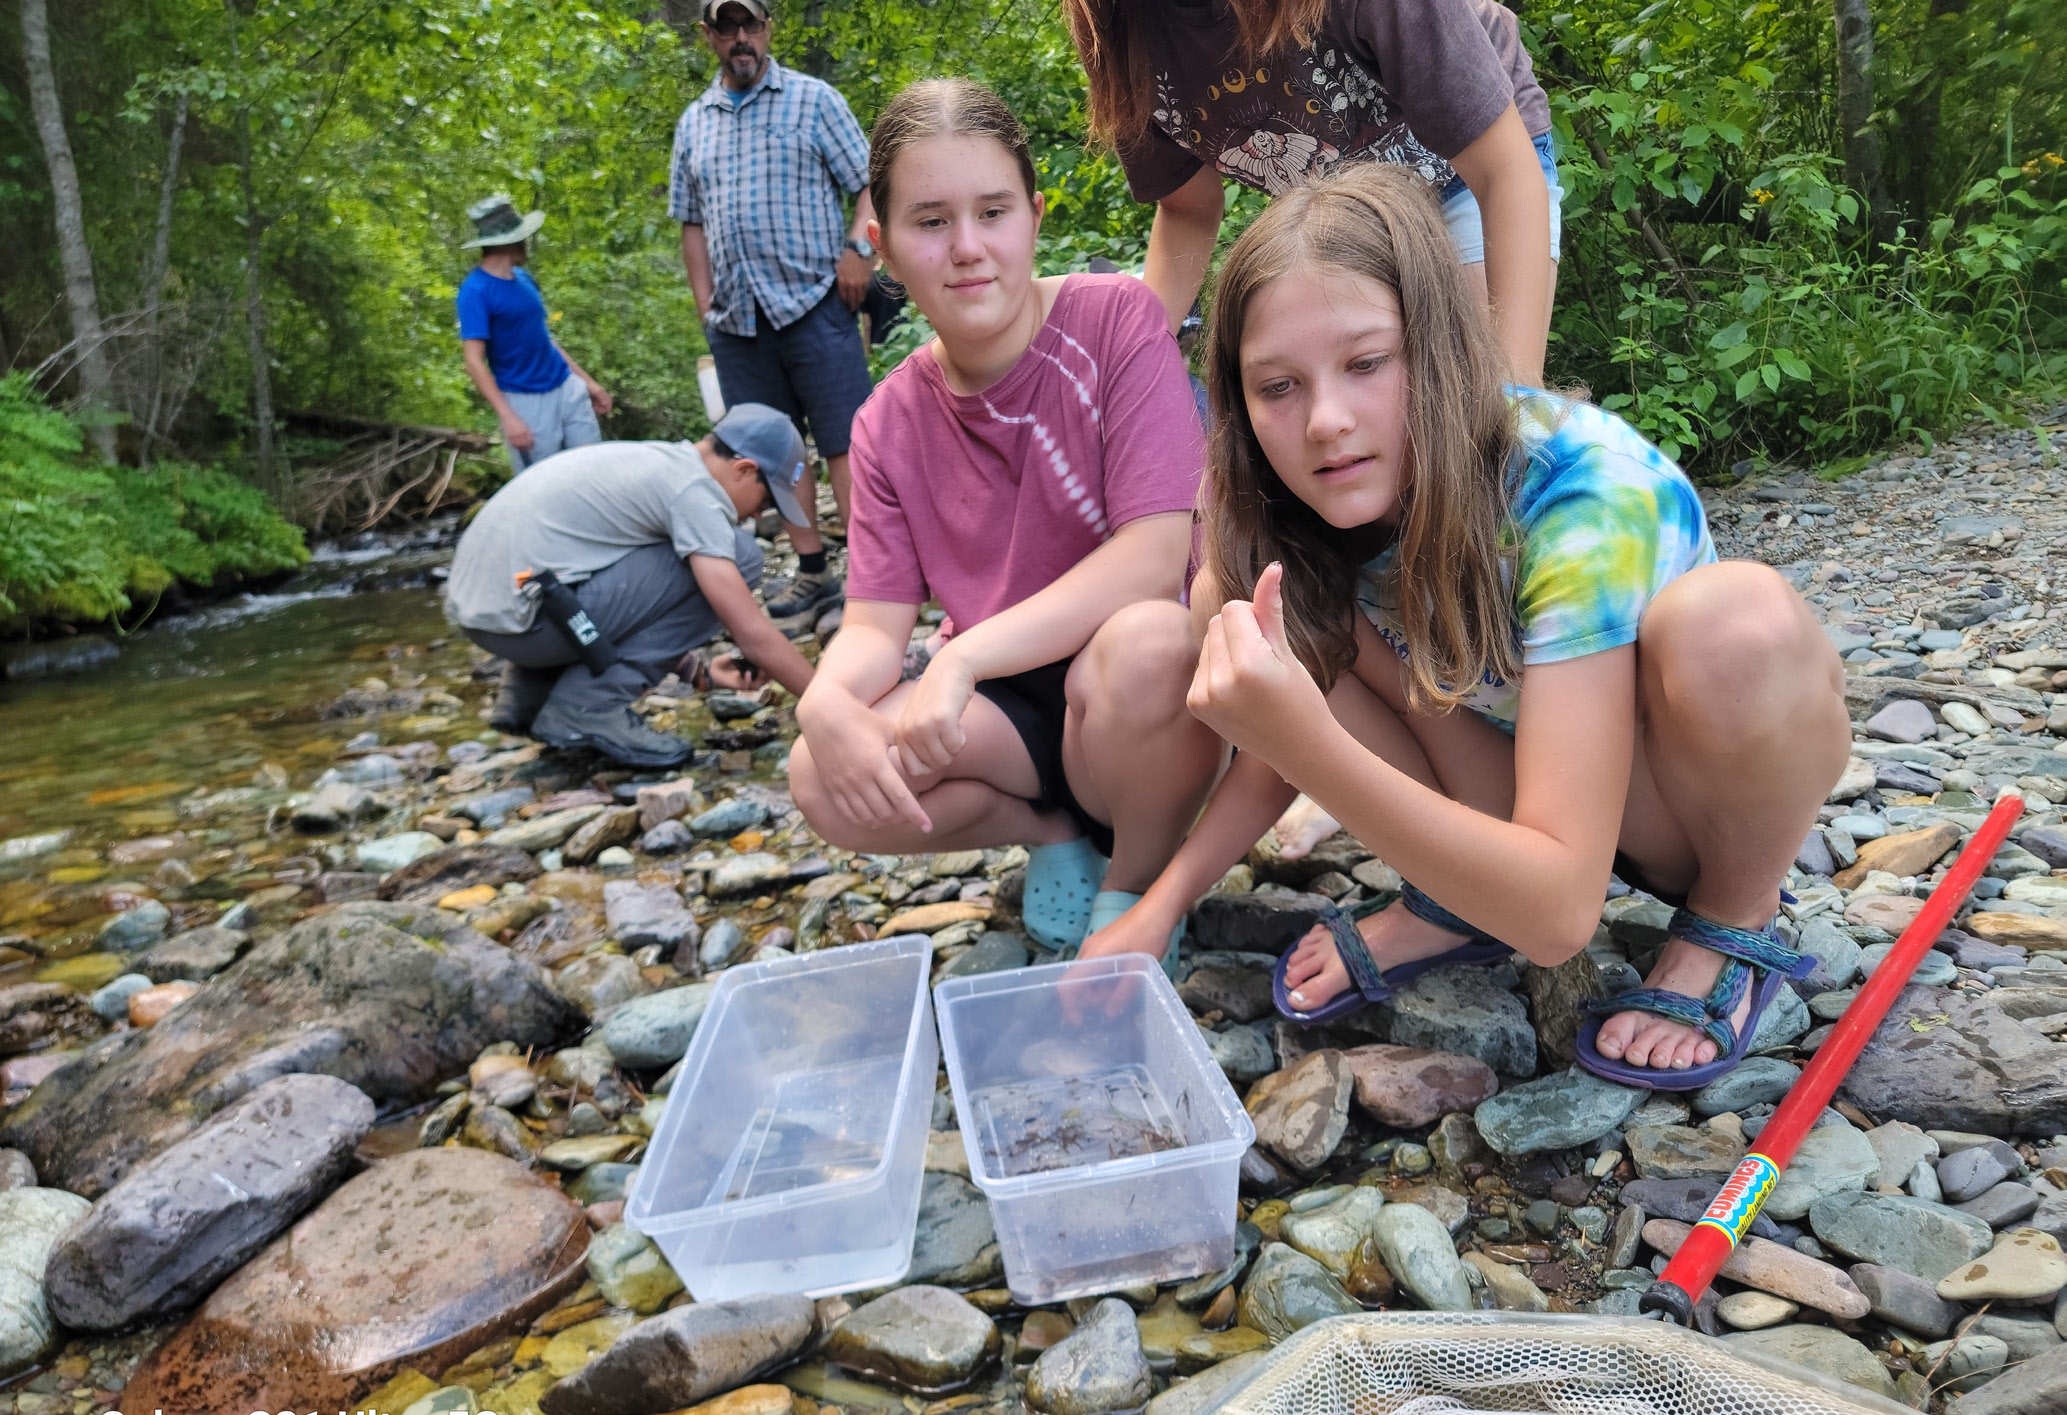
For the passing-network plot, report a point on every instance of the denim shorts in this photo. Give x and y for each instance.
(1467, 229)
(813, 369)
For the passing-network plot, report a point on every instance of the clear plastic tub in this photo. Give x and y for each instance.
(1107, 1139)
(791, 1152)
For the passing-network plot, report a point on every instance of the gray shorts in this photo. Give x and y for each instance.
(558, 418)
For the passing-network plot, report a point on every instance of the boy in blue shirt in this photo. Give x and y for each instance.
(542, 398)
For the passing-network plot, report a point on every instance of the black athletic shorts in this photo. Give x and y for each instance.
(1035, 704)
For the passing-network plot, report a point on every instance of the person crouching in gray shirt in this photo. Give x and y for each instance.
(648, 537)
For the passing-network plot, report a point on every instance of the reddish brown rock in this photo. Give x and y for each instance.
(418, 1261)
(1409, 1087)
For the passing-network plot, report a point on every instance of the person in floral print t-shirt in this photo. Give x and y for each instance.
(1272, 93)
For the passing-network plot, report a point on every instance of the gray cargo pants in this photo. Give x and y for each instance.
(647, 604)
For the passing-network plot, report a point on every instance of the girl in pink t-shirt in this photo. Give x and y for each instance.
(1033, 469)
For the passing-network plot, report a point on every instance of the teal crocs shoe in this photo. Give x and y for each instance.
(1106, 909)
(1061, 882)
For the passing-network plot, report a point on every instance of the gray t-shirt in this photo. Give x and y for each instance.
(576, 513)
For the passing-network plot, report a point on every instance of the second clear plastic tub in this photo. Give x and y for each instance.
(793, 1146)
(1107, 1139)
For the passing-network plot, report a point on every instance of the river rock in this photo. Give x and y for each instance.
(1418, 1251)
(1302, 1112)
(932, 918)
(1821, 1349)
(1756, 1080)
(1967, 1362)
(686, 1355)
(1754, 1310)
(31, 1221)
(357, 993)
(2037, 1387)
(1685, 1200)
(392, 852)
(1243, 994)
(925, 1339)
(457, 867)
(1890, 913)
(543, 832)
(2027, 1334)
(1681, 1151)
(1098, 1367)
(639, 915)
(1287, 1290)
(490, 809)
(1410, 1087)
(32, 1014)
(614, 826)
(1202, 1392)
(136, 928)
(1243, 1052)
(2006, 1204)
(720, 942)
(1554, 1112)
(1899, 1146)
(729, 818)
(1913, 1235)
(2024, 1265)
(15, 1170)
(183, 1220)
(598, 982)
(111, 1003)
(1463, 1011)
(1337, 1235)
(1831, 1160)
(325, 1312)
(1253, 923)
(1775, 1268)
(1974, 1171)
(1557, 1003)
(1913, 852)
(334, 807)
(629, 1271)
(1904, 1300)
(956, 1244)
(1944, 1061)
(753, 873)
(663, 801)
(193, 956)
(654, 1031)
(1832, 947)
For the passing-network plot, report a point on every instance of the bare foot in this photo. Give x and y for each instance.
(1302, 826)
(1646, 1039)
(1316, 974)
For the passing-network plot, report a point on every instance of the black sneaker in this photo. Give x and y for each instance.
(806, 593)
(618, 733)
(524, 691)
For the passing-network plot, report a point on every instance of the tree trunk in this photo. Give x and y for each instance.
(1855, 109)
(154, 276)
(71, 227)
(254, 282)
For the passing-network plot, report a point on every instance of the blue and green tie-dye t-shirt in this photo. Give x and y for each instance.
(1606, 522)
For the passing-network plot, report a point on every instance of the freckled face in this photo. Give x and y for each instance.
(1327, 393)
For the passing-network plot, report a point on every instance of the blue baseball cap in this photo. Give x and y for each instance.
(772, 443)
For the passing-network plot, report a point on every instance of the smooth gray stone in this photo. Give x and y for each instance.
(1905, 1300)
(1240, 994)
(993, 953)
(1966, 1362)
(655, 1030)
(1925, 1239)
(2037, 1387)
(31, 1221)
(1464, 1012)
(137, 928)
(1821, 1349)
(111, 1003)
(729, 818)
(642, 914)
(1756, 1081)
(1418, 1251)
(1904, 719)
(686, 1355)
(1287, 1290)
(1973, 1172)
(1243, 1052)
(1202, 1392)
(2007, 1203)
(180, 1222)
(2027, 1334)
(1832, 1159)
(491, 808)
(1832, 947)
(925, 1339)
(720, 941)
(1555, 1112)
(956, 1244)
(600, 1183)
(1098, 1367)
(193, 956)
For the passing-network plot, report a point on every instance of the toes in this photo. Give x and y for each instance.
(1612, 1040)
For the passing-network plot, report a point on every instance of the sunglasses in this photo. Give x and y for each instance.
(725, 29)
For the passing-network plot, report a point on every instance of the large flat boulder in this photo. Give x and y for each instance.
(418, 1261)
(1943, 1062)
(393, 998)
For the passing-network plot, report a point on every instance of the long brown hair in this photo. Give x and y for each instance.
(933, 108)
(1113, 46)
(1381, 222)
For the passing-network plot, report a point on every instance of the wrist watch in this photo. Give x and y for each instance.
(861, 246)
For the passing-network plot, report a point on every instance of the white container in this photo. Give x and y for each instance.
(791, 1152)
(1108, 1140)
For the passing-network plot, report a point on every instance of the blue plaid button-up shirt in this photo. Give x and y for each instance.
(765, 181)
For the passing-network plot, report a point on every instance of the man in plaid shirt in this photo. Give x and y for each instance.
(763, 158)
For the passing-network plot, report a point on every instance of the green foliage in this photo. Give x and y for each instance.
(85, 543)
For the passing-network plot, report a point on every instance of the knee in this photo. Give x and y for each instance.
(1139, 664)
(1733, 640)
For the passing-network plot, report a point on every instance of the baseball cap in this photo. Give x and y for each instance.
(753, 7)
(771, 442)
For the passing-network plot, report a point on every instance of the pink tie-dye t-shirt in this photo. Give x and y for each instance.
(980, 501)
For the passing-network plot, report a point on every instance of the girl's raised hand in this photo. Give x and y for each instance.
(1250, 687)
(929, 730)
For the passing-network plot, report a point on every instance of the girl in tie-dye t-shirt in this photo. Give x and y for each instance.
(1391, 535)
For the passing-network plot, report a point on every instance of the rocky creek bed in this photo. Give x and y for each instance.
(326, 1070)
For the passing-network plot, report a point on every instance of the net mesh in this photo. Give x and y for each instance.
(1449, 1363)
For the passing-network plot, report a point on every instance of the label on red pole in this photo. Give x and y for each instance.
(1742, 1196)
